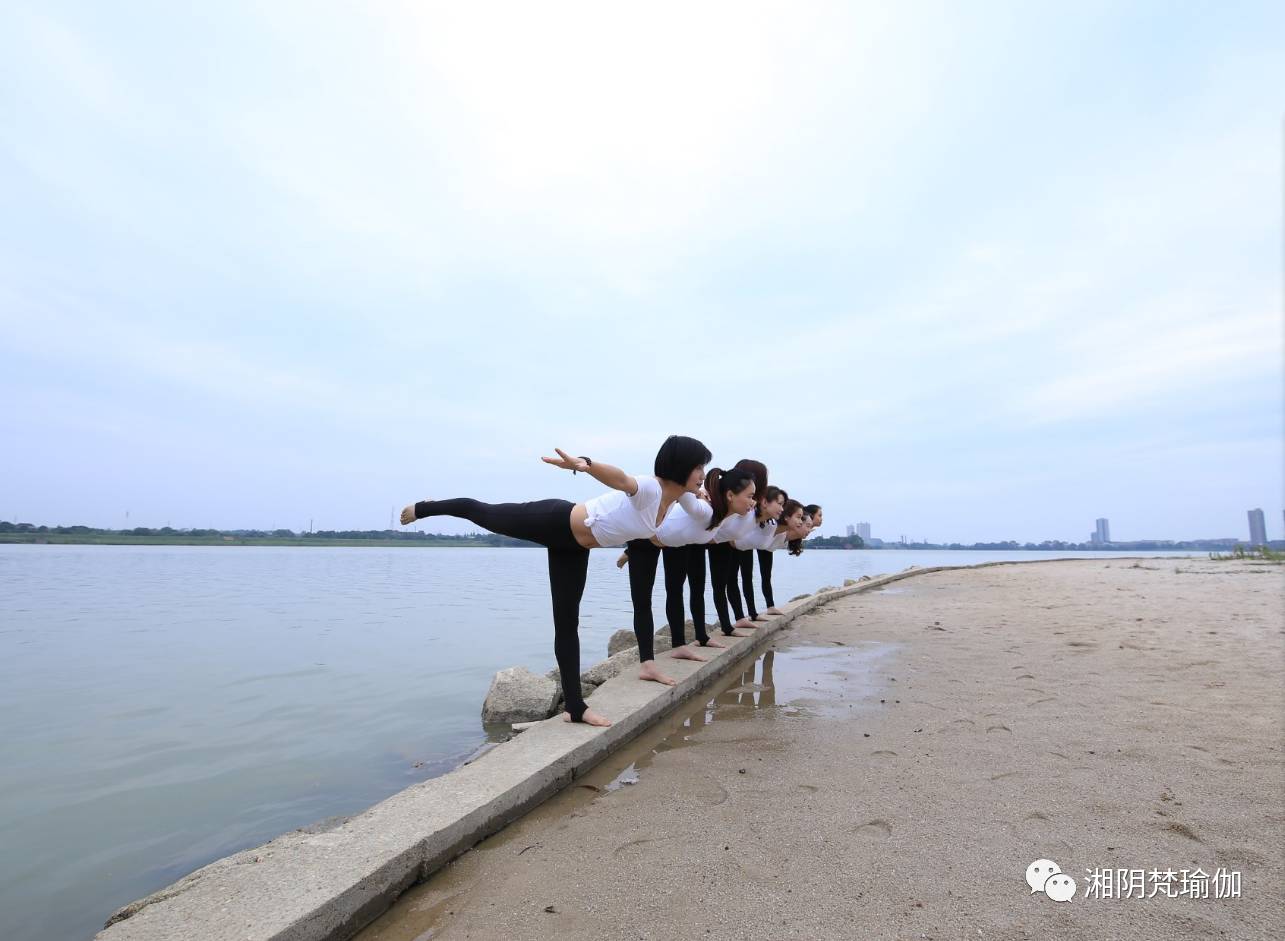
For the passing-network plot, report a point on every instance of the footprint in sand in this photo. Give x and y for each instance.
(810, 788)
(999, 728)
(963, 722)
(1006, 774)
(1026, 676)
(884, 753)
(875, 829)
(1182, 830)
(624, 847)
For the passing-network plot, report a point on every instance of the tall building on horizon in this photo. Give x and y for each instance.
(852, 530)
(1102, 533)
(1257, 528)
(863, 530)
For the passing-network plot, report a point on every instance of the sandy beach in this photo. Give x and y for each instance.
(893, 762)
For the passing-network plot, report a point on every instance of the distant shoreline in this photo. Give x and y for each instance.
(466, 542)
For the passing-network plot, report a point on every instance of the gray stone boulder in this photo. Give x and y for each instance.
(585, 687)
(518, 695)
(621, 640)
(614, 665)
(624, 639)
(849, 581)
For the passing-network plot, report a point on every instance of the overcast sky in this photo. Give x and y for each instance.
(966, 271)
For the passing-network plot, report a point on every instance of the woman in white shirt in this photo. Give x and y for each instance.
(770, 504)
(791, 529)
(633, 508)
(681, 541)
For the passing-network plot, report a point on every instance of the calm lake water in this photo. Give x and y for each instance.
(162, 707)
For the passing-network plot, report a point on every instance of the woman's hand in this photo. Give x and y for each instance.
(566, 461)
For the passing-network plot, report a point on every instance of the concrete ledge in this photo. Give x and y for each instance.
(327, 886)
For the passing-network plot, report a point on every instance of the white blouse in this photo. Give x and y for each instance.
(682, 528)
(757, 536)
(735, 526)
(614, 518)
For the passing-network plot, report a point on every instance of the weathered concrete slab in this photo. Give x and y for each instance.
(326, 886)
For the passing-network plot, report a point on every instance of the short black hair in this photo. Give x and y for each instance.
(679, 456)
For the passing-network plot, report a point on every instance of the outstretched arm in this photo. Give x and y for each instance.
(612, 477)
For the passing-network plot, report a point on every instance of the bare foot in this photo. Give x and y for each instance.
(738, 633)
(649, 671)
(760, 617)
(774, 611)
(621, 562)
(745, 624)
(686, 653)
(589, 718)
(408, 515)
(714, 642)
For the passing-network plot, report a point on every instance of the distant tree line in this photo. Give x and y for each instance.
(1053, 545)
(30, 532)
(382, 535)
(835, 542)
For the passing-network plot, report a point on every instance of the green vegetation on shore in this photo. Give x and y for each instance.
(1250, 554)
(165, 536)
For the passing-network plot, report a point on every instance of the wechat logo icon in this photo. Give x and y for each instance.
(1046, 876)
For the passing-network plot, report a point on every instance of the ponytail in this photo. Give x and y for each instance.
(718, 484)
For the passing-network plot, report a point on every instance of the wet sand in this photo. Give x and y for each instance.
(893, 762)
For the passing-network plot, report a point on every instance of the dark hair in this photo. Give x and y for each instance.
(678, 457)
(792, 505)
(769, 494)
(718, 484)
(756, 469)
(811, 509)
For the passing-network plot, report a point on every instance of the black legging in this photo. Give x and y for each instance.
(720, 577)
(643, 556)
(547, 522)
(684, 564)
(765, 569)
(744, 559)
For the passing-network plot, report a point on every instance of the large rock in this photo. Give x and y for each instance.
(614, 665)
(621, 640)
(518, 695)
(624, 639)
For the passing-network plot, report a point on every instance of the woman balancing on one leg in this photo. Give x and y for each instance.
(683, 539)
(768, 510)
(738, 557)
(792, 528)
(674, 537)
(633, 508)
(731, 494)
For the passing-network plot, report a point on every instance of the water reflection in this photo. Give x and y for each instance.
(828, 681)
